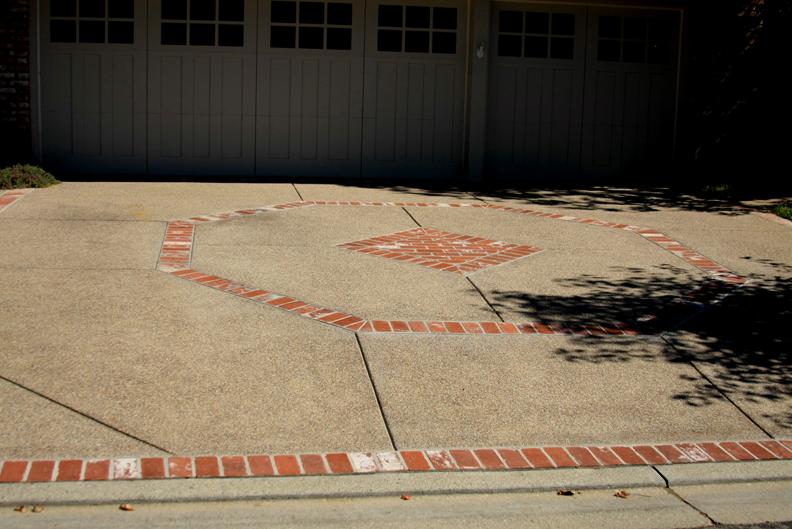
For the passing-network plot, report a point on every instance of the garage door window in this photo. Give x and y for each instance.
(536, 35)
(634, 39)
(92, 21)
(311, 25)
(203, 23)
(416, 29)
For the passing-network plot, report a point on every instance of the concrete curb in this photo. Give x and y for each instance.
(711, 473)
(394, 484)
(313, 487)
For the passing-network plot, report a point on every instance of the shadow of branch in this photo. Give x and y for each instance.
(743, 344)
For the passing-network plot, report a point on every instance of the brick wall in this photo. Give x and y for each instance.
(15, 142)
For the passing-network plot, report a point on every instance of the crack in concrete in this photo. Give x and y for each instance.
(491, 306)
(676, 495)
(84, 415)
(297, 191)
(709, 518)
(721, 392)
(376, 392)
(413, 218)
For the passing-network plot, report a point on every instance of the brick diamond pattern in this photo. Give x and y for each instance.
(440, 250)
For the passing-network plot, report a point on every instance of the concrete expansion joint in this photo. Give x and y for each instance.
(703, 514)
(466, 255)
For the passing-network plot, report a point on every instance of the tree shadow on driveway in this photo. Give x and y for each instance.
(742, 346)
(723, 200)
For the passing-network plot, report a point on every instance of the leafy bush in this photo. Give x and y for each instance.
(21, 176)
(784, 210)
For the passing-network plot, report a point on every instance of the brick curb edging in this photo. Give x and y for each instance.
(176, 256)
(8, 198)
(340, 463)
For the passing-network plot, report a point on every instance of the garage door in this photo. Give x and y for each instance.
(414, 88)
(309, 88)
(254, 87)
(631, 78)
(201, 87)
(93, 90)
(580, 89)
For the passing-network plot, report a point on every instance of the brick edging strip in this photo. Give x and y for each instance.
(344, 463)
(176, 257)
(8, 198)
(353, 323)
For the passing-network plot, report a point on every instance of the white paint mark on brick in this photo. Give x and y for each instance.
(693, 452)
(440, 459)
(126, 468)
(390, 462)
(362, 463)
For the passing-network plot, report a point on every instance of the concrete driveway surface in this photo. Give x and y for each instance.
(155, 319)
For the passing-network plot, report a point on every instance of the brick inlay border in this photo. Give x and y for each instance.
(433, 460)
(176, 256)
(9, 198)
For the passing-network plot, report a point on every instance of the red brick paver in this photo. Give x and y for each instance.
(454, 459)
(8, 198)
(440, 250)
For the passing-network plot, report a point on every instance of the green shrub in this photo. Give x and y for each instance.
(21, 176)
(784, 210)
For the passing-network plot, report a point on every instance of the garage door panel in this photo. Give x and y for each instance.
(309, 89)
(340, 140)
(88, 86)
(201, 91)
(631, 100)
(93, 91)
(197, 86)
(581, 101)
(414, 95)
(274, 86)
(120, 130)
(502, 130)
(309, 132)
(232, 81)
(306, 114)
(413, 116)
(444, 106)
(307, 82)
(342, 92)
(197, 132)
(536, 89)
